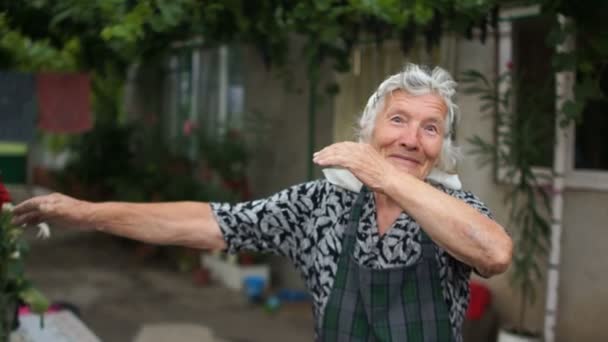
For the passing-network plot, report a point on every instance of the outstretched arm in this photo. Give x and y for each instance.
(189, 224)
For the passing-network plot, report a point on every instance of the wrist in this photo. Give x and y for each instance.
(391, 181)
(89, 215)
(396, 181)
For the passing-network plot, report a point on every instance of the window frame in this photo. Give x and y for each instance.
(183, 87)
(565, 140)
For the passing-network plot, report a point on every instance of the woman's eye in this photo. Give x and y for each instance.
(397, 119)
(431, 129)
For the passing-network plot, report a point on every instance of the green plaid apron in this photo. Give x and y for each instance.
(397, 304)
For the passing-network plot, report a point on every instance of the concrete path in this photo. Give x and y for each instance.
(122, 298)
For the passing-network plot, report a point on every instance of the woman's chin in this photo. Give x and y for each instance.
(413, 170)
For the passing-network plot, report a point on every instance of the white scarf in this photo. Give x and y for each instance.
(345, 179)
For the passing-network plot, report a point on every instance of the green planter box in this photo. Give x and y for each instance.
(13, 169)
(13, 166)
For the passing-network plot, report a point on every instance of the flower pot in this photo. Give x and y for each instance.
(509, 336)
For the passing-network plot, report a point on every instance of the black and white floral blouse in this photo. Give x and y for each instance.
(306, 223)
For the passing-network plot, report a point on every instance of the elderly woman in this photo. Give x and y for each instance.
(388, 260)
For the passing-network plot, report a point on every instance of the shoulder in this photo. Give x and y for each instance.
(323, 194)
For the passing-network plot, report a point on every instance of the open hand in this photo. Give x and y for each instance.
(359, 158)
(55, 209)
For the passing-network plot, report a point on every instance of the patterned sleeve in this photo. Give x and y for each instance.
(474, 201)
(274, 224)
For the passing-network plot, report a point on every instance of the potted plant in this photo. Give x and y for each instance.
(15, 288)
(519, 132)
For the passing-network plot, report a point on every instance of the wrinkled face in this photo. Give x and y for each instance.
(409, 132)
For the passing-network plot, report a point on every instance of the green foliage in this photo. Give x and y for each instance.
(120, 31)
(70, 34)
(99, 157)
(588, 59)
(131, 162)
(27, 54)
(14, 285)
(226, 154)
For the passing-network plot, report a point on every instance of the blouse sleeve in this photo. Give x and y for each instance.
(274, 224)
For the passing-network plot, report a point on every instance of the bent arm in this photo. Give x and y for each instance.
(454, 225)
(189, 224)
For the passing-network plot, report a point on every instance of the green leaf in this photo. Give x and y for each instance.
(572, 109)
(475, 75)
(564, 61)
(34, 299)
(473, 90)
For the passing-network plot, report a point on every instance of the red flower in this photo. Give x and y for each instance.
(5, 197)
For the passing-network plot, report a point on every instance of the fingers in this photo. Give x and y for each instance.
(33, 210)
(26, 206)
(27, 219)
(338, 154)
(361, 159)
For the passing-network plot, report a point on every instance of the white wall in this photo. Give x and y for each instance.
(583, 292)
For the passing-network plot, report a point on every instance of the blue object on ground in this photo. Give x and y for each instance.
(272, 304)
(254, 287)
(289, 295)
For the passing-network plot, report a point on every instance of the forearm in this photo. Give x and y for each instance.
(454, 225)
(178, 223)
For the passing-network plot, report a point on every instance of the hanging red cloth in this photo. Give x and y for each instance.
(64, 100)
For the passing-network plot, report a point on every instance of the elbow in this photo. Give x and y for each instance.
(499, 260)
(503, 257)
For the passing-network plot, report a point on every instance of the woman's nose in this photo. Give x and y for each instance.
(409, 138)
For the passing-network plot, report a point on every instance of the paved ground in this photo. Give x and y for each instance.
(118, 293)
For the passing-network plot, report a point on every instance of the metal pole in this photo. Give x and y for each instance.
(563, 85)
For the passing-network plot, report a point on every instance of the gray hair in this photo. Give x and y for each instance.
(417, 80)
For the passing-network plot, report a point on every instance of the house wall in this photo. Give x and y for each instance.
(281, 156)
(583, 291)
(280, 105)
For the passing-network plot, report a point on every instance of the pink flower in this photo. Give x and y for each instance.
(189, 127)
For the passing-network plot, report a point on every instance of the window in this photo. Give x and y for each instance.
(535, 91)
(205, 91)
(591, 143)
(522, 46)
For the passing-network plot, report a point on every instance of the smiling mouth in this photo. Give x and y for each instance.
(403, 159)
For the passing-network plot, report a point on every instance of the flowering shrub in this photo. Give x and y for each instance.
(14, 286)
